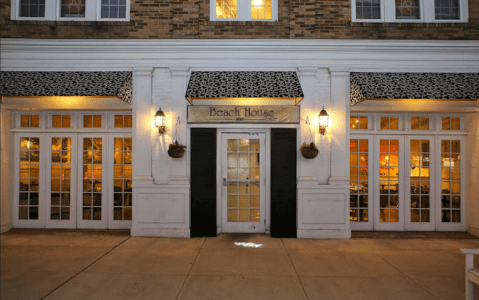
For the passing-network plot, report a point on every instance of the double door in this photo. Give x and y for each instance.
(406, 182)
(73, 180)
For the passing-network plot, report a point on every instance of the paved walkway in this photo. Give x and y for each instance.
(112, 265)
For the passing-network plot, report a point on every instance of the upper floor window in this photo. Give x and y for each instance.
(71, 10)
(243, 10)
(356, 122)
(409, 11)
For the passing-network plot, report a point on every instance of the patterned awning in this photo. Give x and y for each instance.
(452, 86)
(111, 84)
(234, 85)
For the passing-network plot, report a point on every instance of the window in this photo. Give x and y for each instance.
(61, 121)
(409, 11)
(123, 121)
(358, 122)
(71, 10)
(390, 123)
(92, 121)
(450, 123)
(30, 121)
(243, 10)
(420, 123)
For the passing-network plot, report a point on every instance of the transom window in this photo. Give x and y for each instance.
(356, 122)
(409, 10)
(71, 10)
(244, 10)
(389, 123)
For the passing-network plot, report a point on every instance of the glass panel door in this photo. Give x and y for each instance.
(243, 182)
(92, 176)
(120, 196)
(28, 180)
(420, 208)
(450, 187)
(61, 174)
(389, 204)
(360, 161)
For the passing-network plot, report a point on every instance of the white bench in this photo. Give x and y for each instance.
(472, 275)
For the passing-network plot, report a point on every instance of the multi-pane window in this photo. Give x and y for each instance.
(92, 179)
(450, 181)
(29, 178)
(61, 179)
(92, 121)
(407, 10)
(451, 123)
(61, 121)
(243, 10)
(32, 8)
(358, 171)
(113, 9)
(122, 173)
(390, 123)
(30, 121)
(419, 175)
(389, 180)
(368, 9)
(420, 123)
(123, 121)
(358, 122)
(243, 180)
(72, 8)
(446, 9)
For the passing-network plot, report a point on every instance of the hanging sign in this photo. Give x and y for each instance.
(242, 114)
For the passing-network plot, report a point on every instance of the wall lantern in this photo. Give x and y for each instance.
(323, 121)
(160, 121)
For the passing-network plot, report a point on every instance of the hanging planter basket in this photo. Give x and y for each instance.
(309, 150)
(176, 150)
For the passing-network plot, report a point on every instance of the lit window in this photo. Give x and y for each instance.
(390, 123)
(244, 10)
(59, 121)
(123, 121)
(92, 121)
(450, 123)
(409, 11)
(71, 10)
(358, 122)
(30, 121)
(419, 123)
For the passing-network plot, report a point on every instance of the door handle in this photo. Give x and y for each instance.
(224, 182)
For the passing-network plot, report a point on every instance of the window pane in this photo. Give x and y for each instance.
(368, 9)
(446, 123)
(407, 10)
(446, 9)
(226, 9)
(261, 9)
(72, 8)
(32, 8)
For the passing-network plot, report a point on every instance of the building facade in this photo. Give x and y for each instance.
(242, 85)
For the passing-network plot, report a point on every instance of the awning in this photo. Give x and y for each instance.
(239, 85)
(452, 86)
(110, 84)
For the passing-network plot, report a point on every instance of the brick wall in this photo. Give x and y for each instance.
(160, 19)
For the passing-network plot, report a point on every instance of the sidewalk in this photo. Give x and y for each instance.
(112, 265)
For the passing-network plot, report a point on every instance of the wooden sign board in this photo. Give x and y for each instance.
(243, 114)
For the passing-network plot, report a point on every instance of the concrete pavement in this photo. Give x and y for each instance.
(112, 265)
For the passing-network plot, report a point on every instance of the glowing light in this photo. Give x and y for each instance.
(248, 245)
(258, 2)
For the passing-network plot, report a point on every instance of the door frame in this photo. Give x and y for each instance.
(266, 177)
(389, 226)
(72, 223)
(420, 226)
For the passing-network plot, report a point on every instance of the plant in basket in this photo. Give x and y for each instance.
(309, 150)
(176, 149)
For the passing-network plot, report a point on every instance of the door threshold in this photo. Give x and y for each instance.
(412, 234)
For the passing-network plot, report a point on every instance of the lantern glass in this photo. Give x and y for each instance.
(324, 121)
(159, 120)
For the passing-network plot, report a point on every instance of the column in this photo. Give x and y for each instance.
(179, 166)
(307, 169)
(142, 126)
(339, 126)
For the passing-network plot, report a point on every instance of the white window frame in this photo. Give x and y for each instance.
(426, 13)
(244, 12)
(53, 11)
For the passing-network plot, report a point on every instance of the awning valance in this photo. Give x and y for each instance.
(238, 85)
(111, 84)
(366, 86)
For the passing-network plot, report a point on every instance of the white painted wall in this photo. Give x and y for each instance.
(6, 169)
(473, 174)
